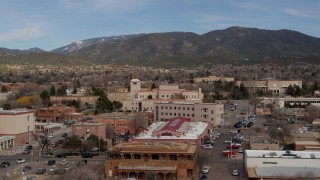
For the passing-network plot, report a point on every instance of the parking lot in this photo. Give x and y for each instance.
(221, 166)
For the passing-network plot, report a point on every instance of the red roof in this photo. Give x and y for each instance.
(174, 124)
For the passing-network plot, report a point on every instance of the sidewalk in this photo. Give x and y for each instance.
(16, 150)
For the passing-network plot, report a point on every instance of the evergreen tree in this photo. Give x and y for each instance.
(4, 89)
(52, 91)
(6, 106)
(103, 104)
(315, 86)
(290, 90)
(74, 90)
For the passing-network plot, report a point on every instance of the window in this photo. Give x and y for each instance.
(137, 156)
(173, 157)
(127, 156)
(269, 162)
(189, 157)
(155, 156)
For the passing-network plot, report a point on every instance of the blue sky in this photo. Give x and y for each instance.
(49, 24)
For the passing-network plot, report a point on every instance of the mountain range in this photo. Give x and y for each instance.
(231, 45)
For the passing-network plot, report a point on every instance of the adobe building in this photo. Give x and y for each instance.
(306, 146)
(273, 86)
(178, 129)
(16, 127)
(212, 79)
(91, 100)
(84, 130)
(205, 112)
(142, 100)
(263, 143)
(152, 161)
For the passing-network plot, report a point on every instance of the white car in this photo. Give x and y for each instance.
(206, 146)
(52, 168)
(205, 169)
(227, 141)
(64, 161)
(95, 149)
(20, 161)
(50, 137)
(235, 172)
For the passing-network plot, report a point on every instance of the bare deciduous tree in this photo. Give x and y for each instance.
(139, 121)
(280, 131)
(311, 113)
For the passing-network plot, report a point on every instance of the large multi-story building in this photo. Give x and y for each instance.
(212, 79)
(18, 124)
(205, 112)
(147, 105)
(266, 164)
(142, 99)
(157, 160)
(273, 86)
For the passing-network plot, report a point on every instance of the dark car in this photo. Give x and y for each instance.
(65, 135)
(47, 155)
(29, 147)
(26, 168)
(41, 171)
(60, 155)
(87, 155)
(51, 162)
(5, 164)
(72, 153)
(203, 177)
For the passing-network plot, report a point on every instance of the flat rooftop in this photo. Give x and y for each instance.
(197, 128)
(283, 154)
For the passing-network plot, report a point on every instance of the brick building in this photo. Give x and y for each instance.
(84, 130)
(161, 161)
(58, 113)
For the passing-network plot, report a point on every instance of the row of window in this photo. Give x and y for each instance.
(175, 114)
(176, 108)
(155, 157)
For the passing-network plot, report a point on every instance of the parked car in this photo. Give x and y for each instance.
(46, 155)
(233, 146)
(62, 155)
(227, 141)
(26, 168)
(203, 177)
(29, 147)
(205, 169)
(50, 137)
(5, 164)
(95, 149)
(235, 172)
(26, 151)
(64, 161)
(51, 162)
(52, 169)
(65, 135)
(20, 161)
(41, 171)
(206, 146)
(87, 155)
